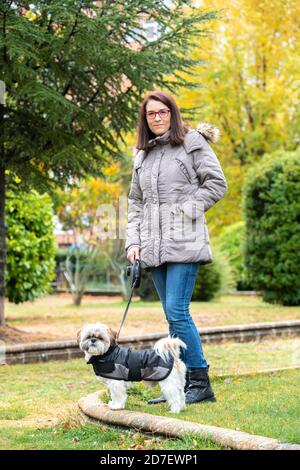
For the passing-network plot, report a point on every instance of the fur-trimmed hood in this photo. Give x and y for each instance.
(206, 129)
(192, 140)
(209, 131)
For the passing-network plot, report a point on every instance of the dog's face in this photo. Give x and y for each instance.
(95, 339)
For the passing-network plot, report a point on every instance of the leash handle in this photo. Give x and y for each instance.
(126, 310)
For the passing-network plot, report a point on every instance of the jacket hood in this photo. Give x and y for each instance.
(209, 131)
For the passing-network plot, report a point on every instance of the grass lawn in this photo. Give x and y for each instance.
(263, 404)
(38, 402)
(90, 437)
(56, 317)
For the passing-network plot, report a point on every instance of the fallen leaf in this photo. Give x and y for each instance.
(139, 447)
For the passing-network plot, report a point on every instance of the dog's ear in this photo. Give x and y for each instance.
(78, 335)
(113, 336)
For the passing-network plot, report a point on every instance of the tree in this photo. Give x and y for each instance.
(249, 88)
(251, 84)
(75, 72)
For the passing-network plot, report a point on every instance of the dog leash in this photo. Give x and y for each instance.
(136, 270)
(125, 313)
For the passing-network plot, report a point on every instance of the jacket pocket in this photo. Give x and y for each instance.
(183, 169)
(193, 208)
(182, 228)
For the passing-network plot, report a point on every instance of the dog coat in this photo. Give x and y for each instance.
(131, 365)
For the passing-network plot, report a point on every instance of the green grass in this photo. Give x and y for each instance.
(263, 404)
(57, 316)
(38, 402)
(231, 357)
(89, 436)
(38, 405)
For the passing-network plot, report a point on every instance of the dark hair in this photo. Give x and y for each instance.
(178, 127)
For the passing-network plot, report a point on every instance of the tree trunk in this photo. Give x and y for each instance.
(77, 298)
(2, 220)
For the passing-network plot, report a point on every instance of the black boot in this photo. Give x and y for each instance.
(156, 401)
(199, 388)
(162, 399)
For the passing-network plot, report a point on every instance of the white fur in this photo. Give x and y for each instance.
(96, 339)
(209, 131)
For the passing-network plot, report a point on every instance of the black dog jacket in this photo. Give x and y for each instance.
(131, 365)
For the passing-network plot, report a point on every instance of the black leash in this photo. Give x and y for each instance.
(125, 313)
(136, 279)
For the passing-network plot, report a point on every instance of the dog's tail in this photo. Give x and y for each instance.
(166, 346)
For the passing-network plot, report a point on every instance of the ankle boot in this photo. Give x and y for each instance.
(162, 399)
(199, 388)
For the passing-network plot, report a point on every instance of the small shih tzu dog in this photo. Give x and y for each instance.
(117, 367)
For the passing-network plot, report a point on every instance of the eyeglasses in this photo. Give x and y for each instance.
(163, 114)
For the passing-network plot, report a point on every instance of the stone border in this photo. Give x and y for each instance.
(92, 408)
(63, 350)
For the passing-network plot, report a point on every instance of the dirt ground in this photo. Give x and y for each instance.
(56, 318)
(11, 335)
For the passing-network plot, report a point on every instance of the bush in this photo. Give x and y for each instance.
(208, 282)
(271, 202)
(147, 290)
(31, 246)
(214, 278)
(231, 242)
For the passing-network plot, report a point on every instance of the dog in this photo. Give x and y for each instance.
(118, 367)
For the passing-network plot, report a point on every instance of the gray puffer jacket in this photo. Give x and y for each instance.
(171, 189)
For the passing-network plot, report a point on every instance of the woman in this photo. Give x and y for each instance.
(176, 178)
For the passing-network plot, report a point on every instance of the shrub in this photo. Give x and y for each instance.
(214, 278)
(147, 290)
(231, 242)
(271, 202)
(208, 282)
(31, 246)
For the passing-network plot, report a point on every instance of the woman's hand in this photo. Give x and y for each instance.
(133, 253)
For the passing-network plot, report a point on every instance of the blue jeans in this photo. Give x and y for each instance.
(174, 283)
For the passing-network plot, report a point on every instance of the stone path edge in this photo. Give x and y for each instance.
(29, 353)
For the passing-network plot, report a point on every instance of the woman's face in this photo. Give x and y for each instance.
(158, 123)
